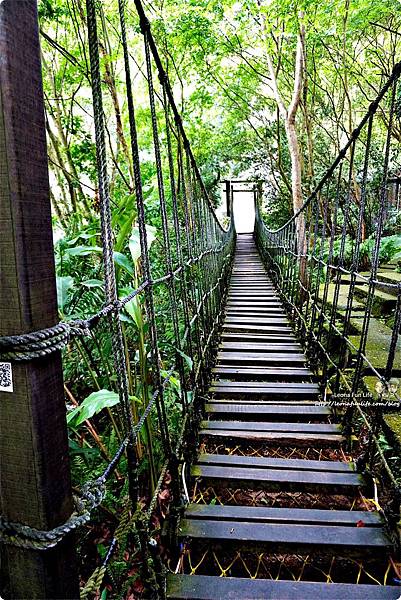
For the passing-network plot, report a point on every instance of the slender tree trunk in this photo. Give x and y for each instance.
(288, 114)
(297, 197)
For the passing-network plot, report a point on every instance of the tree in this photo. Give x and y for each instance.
(288, 114)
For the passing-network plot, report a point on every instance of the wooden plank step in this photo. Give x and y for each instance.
(249, 301)
(266, 359)
(257, 373)
(259, 337)
(248, 291)
(239, 296)
(257, 313)
(246, 285)
(262, 426)
(250, 410)
(248, 308)
(252, 306)
(269, 372)
(355, 541)
(253, 303)
(252, 296)
(276, 438)
(268, 514)
(260, 347)
(254, 279)
(273, 387)
(233, 327)
(253, 292)
(282, 480)
(272, 390)
(245, 261)
(255, 289)
(256, 321)
(246, 320)
(256, 306)
(207, 587)
(288, 464)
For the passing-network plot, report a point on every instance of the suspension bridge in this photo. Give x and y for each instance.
(279, 483)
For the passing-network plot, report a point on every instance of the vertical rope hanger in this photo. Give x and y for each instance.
(107, 245)
(376, 249)
(207, 244)
(143, 236)
(183, 288)
(332, 321)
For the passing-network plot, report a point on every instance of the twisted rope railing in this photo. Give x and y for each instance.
(197, 253)
(335, 215)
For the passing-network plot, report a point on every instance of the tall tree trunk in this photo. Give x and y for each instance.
(297, 197)
(288, 114)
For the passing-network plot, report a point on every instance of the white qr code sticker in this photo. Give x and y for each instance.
(6, 377)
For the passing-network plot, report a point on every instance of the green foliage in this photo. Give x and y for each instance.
(91, 406)
(64, 290)
(215, 52)
(390, 248)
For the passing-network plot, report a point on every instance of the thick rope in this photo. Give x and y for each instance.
(23, 536)
(37, 344)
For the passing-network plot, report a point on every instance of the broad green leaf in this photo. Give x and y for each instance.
(134, 310)
(93, 283)
(123, 261)
(82, 250)
(125, 318)
(124, 231)
(81, 236)
(92, 405)
(64, 289)
(187, 359)
(135, 242)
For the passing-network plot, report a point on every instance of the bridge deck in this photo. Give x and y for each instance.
(263, 399)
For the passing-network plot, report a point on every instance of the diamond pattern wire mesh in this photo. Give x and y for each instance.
(201, 559)
(262, 565)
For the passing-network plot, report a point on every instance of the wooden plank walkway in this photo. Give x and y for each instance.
(263, 394)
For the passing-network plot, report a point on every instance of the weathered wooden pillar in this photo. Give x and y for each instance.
(35, 487)
(228, 197)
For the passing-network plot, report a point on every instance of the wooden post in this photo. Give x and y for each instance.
(35, 487)
(228, 198)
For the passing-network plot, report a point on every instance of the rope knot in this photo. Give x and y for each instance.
(35, 344)
(24, 536)
(92, 494)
